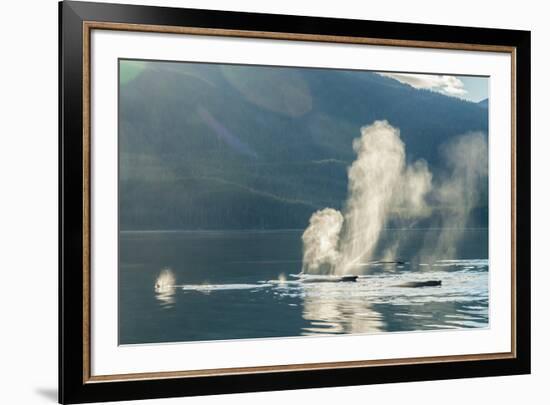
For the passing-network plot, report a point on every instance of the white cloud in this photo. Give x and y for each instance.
(449, 85)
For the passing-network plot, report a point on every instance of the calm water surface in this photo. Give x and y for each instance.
(233, 285)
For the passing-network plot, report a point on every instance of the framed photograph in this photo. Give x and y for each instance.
(254, 202)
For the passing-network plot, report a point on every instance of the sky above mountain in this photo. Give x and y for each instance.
(471, 88)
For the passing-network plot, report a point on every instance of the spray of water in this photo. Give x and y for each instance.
(459, 192)
(383, 187)
(166, 280)
(380, 185)
(320, 242)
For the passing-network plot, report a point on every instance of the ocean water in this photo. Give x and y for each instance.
(245, 284)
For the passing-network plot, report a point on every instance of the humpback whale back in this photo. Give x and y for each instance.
(415, 284)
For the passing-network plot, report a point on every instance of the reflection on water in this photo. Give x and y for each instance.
(246, 285)
(166, 297)
(338, 312)
(165, 288)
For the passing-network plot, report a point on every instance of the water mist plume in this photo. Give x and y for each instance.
(383, 187)
(320, 241)
(166, 280)
(380, 186)
(459, 193)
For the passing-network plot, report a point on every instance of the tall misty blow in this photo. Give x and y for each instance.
(380, 185)
(320, 241)
(459, 193)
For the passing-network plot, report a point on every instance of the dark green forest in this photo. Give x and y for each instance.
(205, 146)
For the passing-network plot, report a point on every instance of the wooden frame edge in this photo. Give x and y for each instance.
(513, 197)
(87, 26)
(86, 201)
(296, 367)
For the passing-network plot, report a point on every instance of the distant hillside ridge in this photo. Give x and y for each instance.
(206, 146)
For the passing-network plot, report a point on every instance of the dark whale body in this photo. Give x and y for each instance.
(389, 262)
(415, 284)
(352, 278)
(348, 278)
(340, 279)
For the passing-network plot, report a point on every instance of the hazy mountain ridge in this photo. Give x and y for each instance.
(209, 146)
(484, 103)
